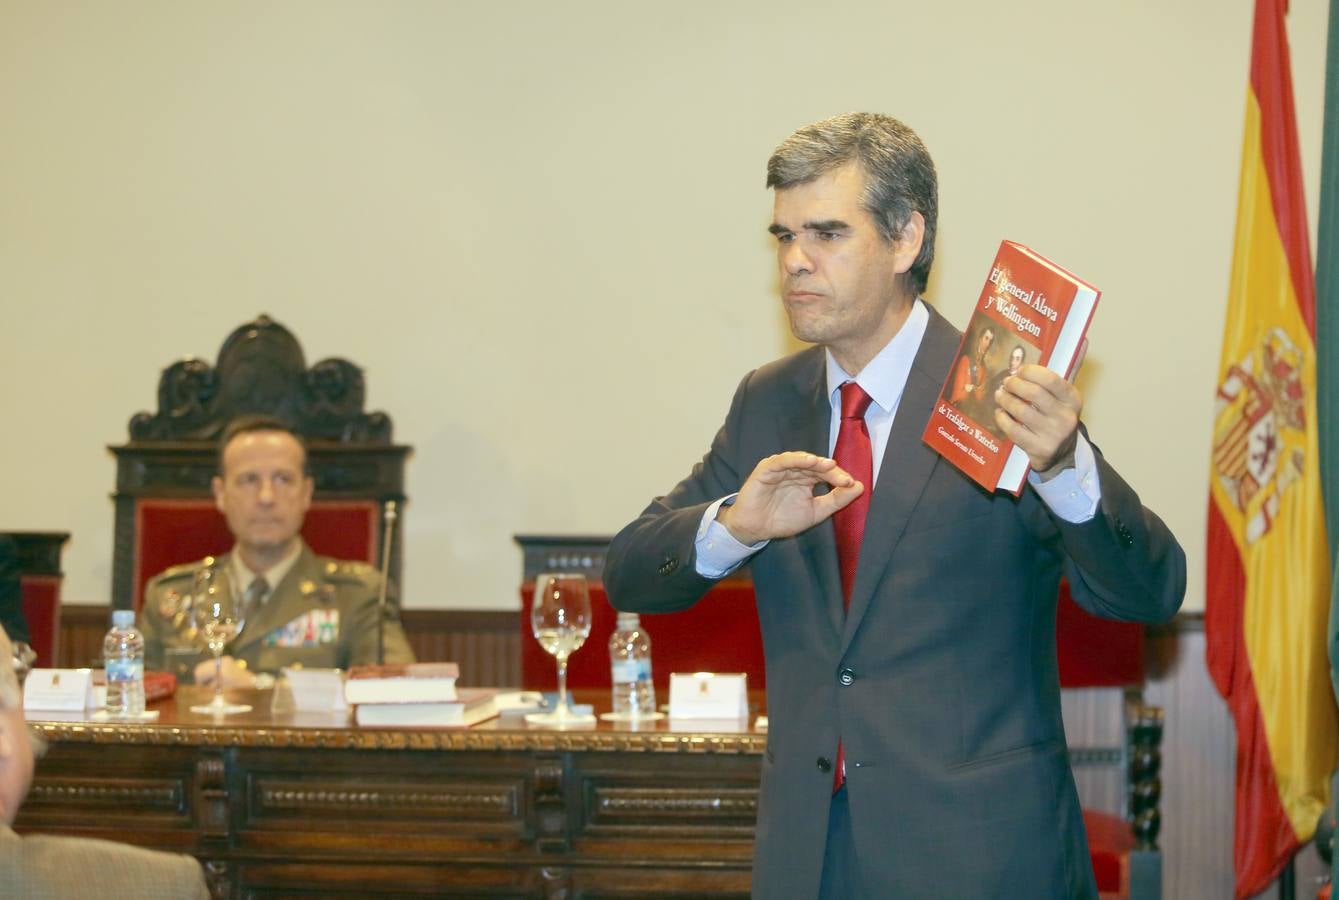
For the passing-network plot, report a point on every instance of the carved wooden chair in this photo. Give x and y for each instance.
(1101, 665)
(165, 511)
(40, 578)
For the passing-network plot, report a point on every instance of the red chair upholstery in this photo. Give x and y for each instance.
(41, 610)
(718, 634)
(171, 532)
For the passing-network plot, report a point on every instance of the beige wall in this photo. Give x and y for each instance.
(540, 227)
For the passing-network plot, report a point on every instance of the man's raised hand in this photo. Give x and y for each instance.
(777, 500)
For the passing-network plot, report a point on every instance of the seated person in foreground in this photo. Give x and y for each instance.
(45, 866)
(299, 608)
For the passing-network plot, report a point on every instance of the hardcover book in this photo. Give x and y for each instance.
(404, 683)
(1030, 311)
(474, 705)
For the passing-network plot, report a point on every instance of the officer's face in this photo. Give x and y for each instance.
(263, 493)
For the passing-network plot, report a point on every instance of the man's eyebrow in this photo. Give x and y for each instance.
(823, 225)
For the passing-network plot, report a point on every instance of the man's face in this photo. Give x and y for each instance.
(263, 492)
(1015, 360)
(839, 277)
(983, 344)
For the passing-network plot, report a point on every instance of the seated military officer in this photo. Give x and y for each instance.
(298, 607)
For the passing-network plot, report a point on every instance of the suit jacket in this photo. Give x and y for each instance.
(42, 867)
(941, 680)
(323, 614)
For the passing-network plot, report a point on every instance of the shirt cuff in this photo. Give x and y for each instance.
(718, 553)
(1073, 494)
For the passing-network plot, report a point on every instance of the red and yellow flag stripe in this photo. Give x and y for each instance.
(1268, 571)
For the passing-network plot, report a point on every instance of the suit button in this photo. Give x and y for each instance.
(824, 764)
(1123, 532)
(669, 565)
(846, 677)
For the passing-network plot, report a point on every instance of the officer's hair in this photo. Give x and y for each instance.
(899, 174)
(247, 424)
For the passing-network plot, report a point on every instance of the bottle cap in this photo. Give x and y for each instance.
(628, 621)
(123, 618)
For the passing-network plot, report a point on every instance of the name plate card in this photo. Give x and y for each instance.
(316, 690)
(709, 695)
(68, 690)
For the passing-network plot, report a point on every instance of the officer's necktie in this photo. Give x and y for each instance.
(854, 454)
(254, 596)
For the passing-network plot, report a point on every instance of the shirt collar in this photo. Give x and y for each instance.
(243, 576)
(886, 374)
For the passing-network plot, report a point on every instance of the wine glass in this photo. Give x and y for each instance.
(217, 617)
(560, 619)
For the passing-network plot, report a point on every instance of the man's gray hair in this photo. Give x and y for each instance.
(899, 174)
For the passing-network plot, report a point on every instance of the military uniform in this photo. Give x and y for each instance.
(322, 614)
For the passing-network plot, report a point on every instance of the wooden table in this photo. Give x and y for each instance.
(307, 804)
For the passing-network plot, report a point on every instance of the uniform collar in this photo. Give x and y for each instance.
(243, 576)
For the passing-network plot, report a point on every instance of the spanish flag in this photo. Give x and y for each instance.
(1268, 577)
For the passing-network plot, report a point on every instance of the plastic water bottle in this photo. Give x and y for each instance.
(123, 656)
(630, 664)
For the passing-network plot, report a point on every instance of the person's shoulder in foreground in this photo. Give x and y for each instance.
(46, 866)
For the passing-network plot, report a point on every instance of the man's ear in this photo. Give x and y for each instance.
(907, 244)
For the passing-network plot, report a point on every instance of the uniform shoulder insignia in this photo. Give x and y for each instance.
(179, 571)
(348, 570)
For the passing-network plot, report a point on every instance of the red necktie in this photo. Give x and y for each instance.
(854, 454)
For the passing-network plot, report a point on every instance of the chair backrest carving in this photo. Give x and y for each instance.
(164, 507)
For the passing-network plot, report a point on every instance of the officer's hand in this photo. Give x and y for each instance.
(235, 673)
(778, 498)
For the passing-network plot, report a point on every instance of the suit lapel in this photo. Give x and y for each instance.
(808, 427)
(906, 468)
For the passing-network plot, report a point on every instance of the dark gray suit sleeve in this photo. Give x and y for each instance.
(651, 563)
(1123, 563)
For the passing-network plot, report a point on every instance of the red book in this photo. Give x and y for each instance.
(158, 685)
(403, 683)
(1030, 311)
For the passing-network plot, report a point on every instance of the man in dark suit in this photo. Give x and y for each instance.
(916, 747)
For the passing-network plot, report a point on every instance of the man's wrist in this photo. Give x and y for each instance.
(725, 517)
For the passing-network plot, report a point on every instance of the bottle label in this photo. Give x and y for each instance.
(125, 670)
(627, 670)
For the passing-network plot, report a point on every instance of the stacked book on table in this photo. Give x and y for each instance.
(416, 694)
